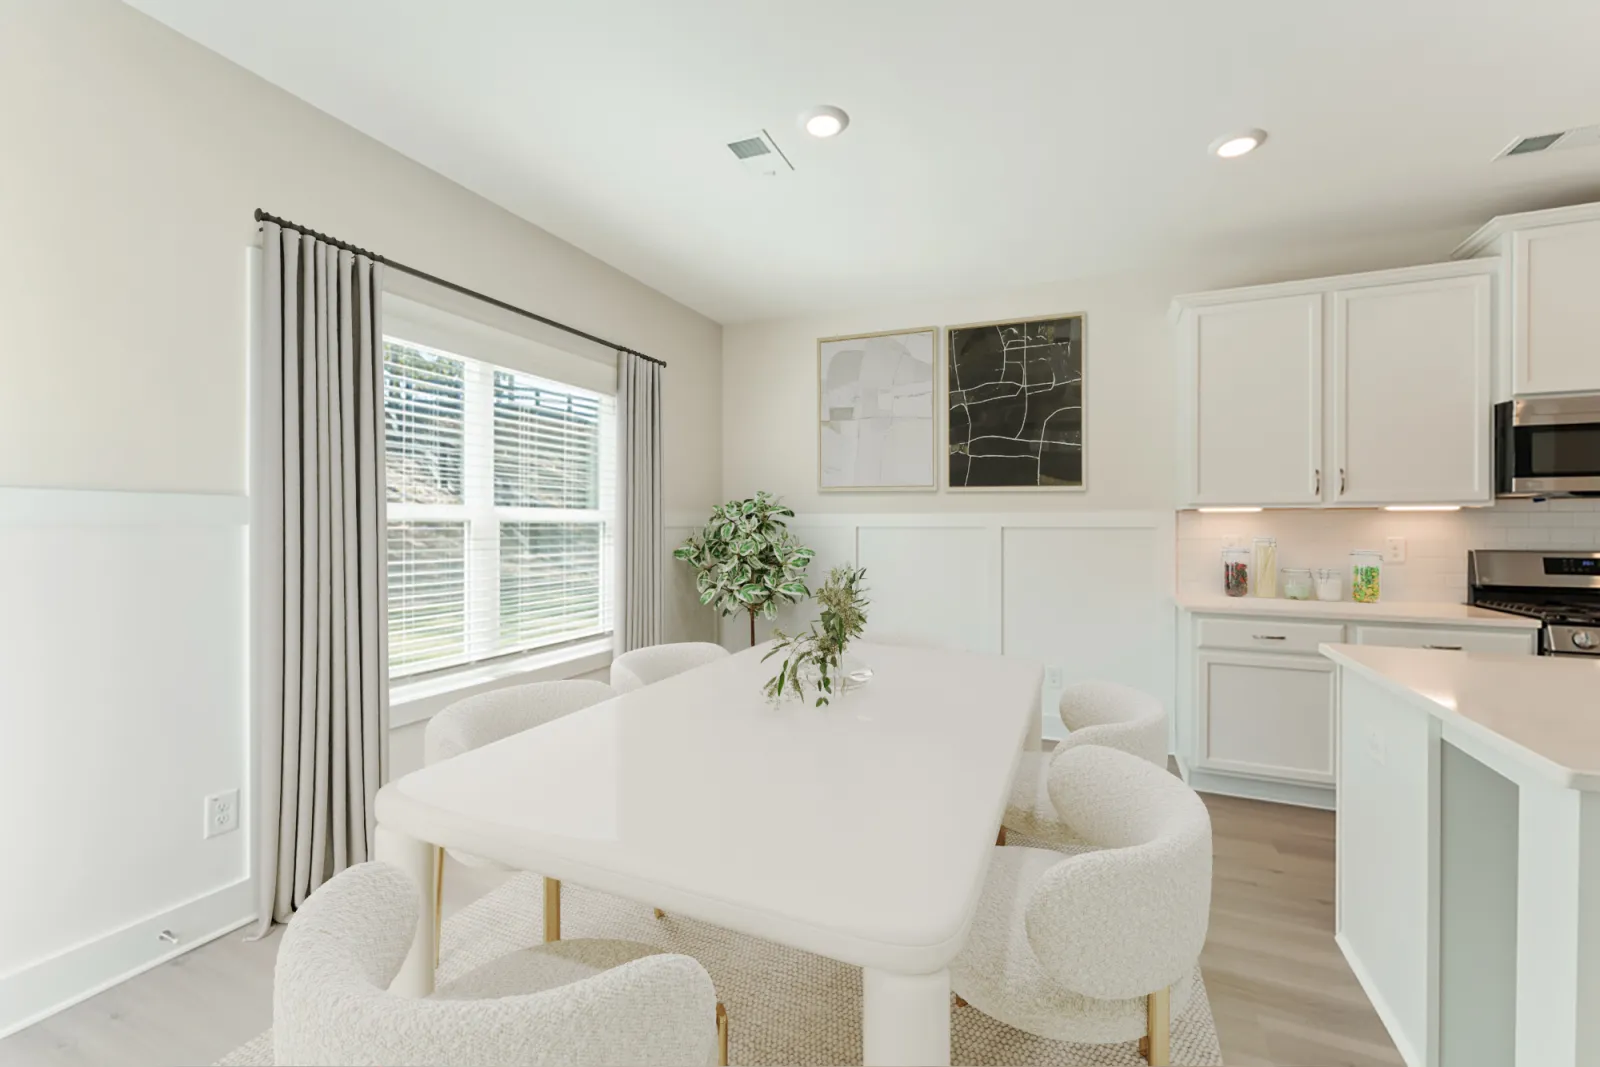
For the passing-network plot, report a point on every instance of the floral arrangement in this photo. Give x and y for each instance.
(747, 560)
(814, 657)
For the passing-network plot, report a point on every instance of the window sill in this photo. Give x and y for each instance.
(416, 701)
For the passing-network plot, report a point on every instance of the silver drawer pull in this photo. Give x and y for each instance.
(1444, 648)
(1269, 637)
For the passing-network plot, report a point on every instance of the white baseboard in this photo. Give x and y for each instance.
(1231, 785)
(78, 973)
(1379, 1005)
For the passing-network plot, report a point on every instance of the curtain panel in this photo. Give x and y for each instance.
(321, 632)
(642, 539)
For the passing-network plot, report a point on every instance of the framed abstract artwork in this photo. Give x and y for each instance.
(1014, 404)
(876, 423)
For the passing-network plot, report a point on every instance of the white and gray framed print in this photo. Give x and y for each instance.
(876, 424)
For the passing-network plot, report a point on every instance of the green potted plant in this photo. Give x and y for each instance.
(747, 560)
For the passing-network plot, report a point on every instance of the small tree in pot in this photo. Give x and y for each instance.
(747, 560)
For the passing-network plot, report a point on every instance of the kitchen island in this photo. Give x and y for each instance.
(1468, 852)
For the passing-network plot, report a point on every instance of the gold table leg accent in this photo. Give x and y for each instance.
(722, 1035)
(959, 1002)
(552, 909)
(660, 914)
(438, 903)
(1158, 1046)
(1000, 838)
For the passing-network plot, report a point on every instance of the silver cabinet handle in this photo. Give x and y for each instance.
(1317, 489)
(1269, 637)
(1444, 648)
(1341, 481)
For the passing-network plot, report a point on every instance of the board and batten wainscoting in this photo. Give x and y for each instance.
(1086, 593)
(123, 686)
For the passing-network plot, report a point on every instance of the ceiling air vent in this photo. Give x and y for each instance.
(760, 155)
(1580, 137)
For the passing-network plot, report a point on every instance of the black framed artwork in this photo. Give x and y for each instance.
(1014, 395)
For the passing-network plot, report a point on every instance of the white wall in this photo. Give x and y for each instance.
(133, 161)
(970, 569)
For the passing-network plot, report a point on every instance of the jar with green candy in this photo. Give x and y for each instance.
(1365, 573)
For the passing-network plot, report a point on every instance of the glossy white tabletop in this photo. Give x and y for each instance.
(1543, 710)
(861, 831)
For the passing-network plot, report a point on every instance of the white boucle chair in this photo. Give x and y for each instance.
(1094, 713)
(573, 1002)
(485, 718)
(639, 668)
(1097, 946)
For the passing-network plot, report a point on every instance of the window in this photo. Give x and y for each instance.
(500, 488)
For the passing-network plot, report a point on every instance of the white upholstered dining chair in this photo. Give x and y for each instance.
(571, 1002)
(1094, 713)
(1097, 945)
(642, 666)
(485, 718)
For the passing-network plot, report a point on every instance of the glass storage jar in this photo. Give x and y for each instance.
(1330, 583)
(1265, 566)
(1296, 583)
(1366, 570)
(1235, 571)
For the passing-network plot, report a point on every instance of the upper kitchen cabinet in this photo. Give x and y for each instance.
(1254, 375)
(1551, 329)
(1399, 411)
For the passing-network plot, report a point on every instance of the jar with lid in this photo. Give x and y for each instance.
(1297, 583)
(1366, 570)
(1330, 583)
(1265, 566)
(1235, 571)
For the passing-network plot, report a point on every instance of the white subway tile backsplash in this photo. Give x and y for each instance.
(1436, 543)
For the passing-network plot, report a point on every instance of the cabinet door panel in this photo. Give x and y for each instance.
(1270, 716)
(1255, 401)
(1511, 644)
(1555, 309)
(1412, 404)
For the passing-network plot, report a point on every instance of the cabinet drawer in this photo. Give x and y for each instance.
(1448, 640)
(1267, 635)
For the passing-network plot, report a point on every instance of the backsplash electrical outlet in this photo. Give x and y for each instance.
(1436, 542)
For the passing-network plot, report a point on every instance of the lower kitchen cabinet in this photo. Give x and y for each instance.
(1266, 715)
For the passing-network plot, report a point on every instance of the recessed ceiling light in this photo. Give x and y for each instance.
(824, 121)
(1237, 144)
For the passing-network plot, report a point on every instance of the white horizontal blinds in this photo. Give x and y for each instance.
(500, 502)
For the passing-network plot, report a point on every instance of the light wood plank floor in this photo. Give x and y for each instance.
(1280, 990)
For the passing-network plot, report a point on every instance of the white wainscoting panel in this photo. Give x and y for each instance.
(123, 704)
(933, 585)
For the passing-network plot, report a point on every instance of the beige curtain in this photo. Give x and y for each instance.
(321, 654)
(642, 539)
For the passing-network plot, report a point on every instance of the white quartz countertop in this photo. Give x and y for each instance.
(1351, 611)
(1544, 710)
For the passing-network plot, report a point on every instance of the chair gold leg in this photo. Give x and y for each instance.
(1158, 1046)
(552, 909)
(959, 1002)
(660, 914)
(438, 904)
(722, 1035)
(1000, 838)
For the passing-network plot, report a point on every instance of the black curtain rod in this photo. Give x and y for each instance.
(262, 216)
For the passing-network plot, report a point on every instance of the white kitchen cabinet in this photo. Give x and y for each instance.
(1269, 716)
(1551, 328)
(1511, 643)
(1254, 423)
(1400, 411)
(1411, 392)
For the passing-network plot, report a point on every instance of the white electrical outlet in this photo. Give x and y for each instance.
(1052, 677)
(222, 813)
(1395, 550)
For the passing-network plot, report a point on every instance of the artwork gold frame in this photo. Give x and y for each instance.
(934, 393)
(1082, 485)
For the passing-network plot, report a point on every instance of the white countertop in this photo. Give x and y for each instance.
(1544, 710)
(1349, 610)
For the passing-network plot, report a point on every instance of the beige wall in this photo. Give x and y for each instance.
(134, 158)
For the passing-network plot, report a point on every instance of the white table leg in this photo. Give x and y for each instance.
(905, 1018)
(416, 859)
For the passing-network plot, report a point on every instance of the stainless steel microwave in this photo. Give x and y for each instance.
(1548, 446)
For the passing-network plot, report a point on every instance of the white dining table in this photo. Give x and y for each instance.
(861, 831)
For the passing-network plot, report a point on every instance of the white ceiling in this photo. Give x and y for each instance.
(993, 143)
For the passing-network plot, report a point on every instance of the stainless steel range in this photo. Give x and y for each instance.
(1561, 589)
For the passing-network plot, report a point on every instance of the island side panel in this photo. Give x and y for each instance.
(1388, 859)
